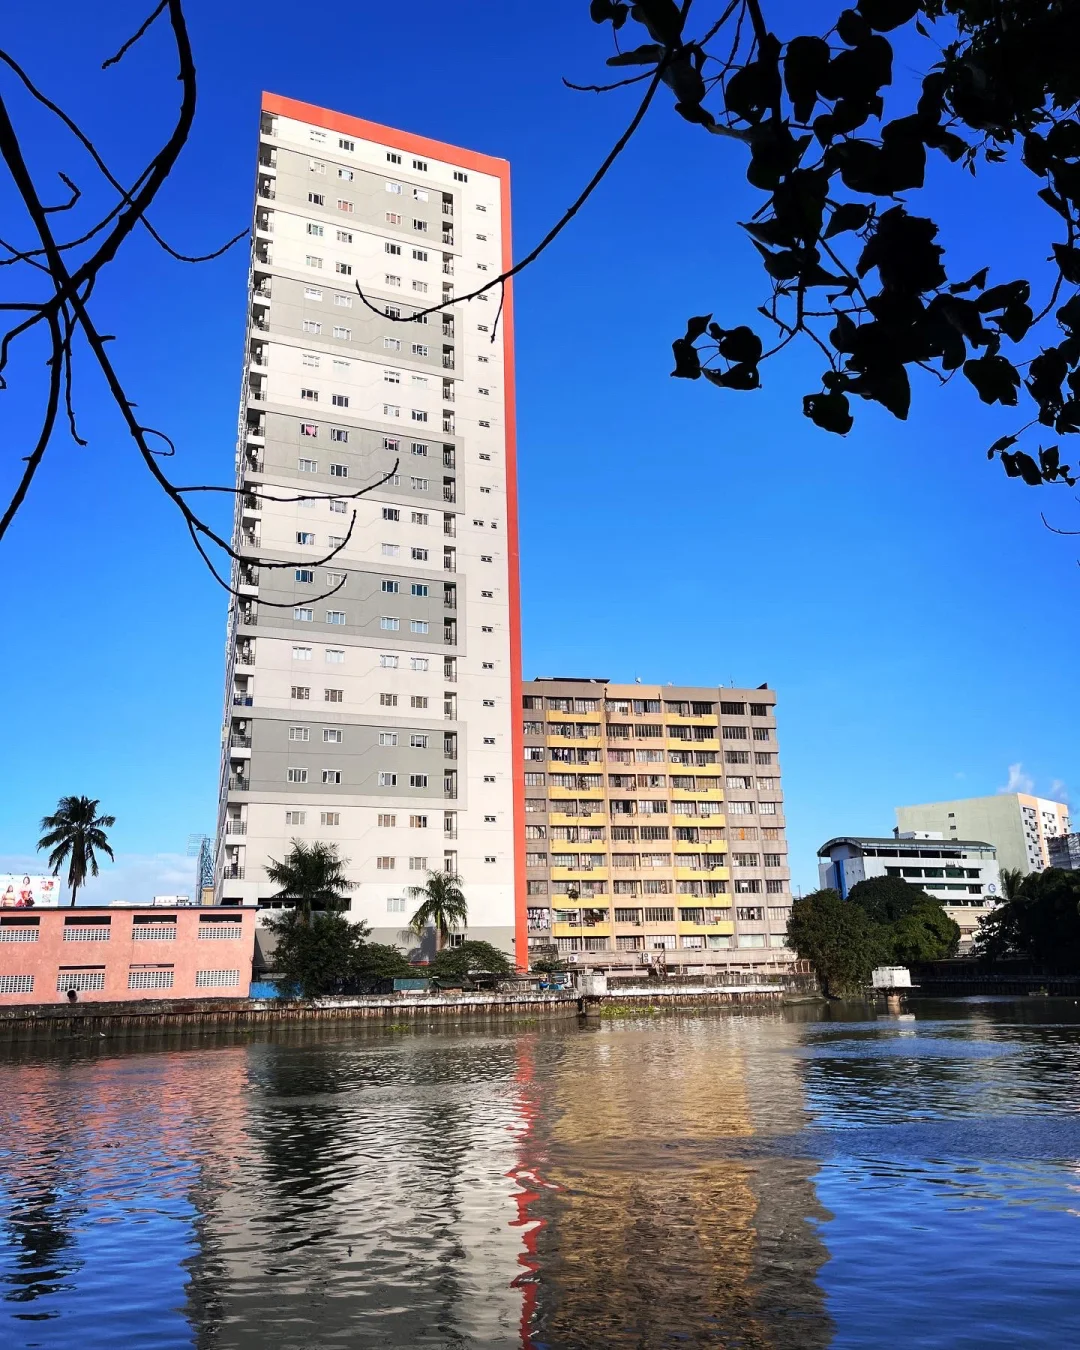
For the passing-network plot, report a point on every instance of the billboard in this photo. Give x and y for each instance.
(20, 891)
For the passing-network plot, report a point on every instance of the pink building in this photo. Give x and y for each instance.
(116, 953)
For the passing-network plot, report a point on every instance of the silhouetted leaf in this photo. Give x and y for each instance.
(805, 62)
(1019, 465)
(741, 376)
(885, 15)
(830, 411)
(647, 55)
(662, 18)
(602, 10)
(1068, 259)
(847, 216)
(740, 344)
(977, 282)
(995, 379)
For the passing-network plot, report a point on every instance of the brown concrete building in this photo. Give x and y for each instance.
(654, 826)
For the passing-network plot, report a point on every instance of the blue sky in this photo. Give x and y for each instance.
(903, 597)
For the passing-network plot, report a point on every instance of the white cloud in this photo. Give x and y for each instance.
(134, 877)
(1019, 781)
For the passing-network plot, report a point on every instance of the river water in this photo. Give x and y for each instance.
(737, 1179)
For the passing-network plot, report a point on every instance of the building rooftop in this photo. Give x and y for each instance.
(890, 841)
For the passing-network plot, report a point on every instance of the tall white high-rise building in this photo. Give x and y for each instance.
(372, 683)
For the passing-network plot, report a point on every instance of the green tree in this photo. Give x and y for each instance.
(1041, 922)
(317, 951)
(442, 906)
(470, 959)
(924, 933)
(76, 834)
(379, 961)
(311, 878)
(914, 924)
(839, 939)
(1012, 880)
(886, 899)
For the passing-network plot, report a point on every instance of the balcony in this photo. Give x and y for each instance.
(262, 290)
(233, 872)
(249, 616)
(266, 190)
(236, 827)
(448, 268)
(448, 326)
(257, 321)
(239, 783)
(449, 526)
(250, 538)
(450, 598)
(448, 425)
(240, 742)
(448, 208)
(242, 700)
(448, 394)
(449, 494)
(450, 793)
(448, 237)
(448, 362)
(253, 462)
(245, 657)
(449, 562)
(267, 157)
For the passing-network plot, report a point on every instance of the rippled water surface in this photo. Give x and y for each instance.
(721, 1179)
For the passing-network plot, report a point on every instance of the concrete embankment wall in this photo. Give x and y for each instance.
(72, 1021)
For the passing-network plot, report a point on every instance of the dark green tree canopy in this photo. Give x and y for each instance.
(1040, 921)
(839, 939)
(887, 899)
(840, 155)
(317, 952)
(469, 959)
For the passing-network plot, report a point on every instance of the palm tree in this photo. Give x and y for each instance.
(1012, 879)
(74, 834)
(311, 877)
(442, 904)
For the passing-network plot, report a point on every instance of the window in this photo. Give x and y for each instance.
(418, 701)
(734, 733)
(387, 822)
(388, 700)
(298, 734)
(315, 230)
(418, 822)
(343, 269)
(418, 415)
(417, 864)
(342, 334)
(388, 661)
(391, 280)
(418, 780)
(419, 663)
(316, 199)
(391, 587)
(421, 165)
(762, 734)
(388, 738)
(387, 779)
(296, 775)
(303, 537)
(389, 623)
(385, 864)
(335, 616)
(302, 615)
(774, 887)
(312, 326)
(420, 254)
(311, 261)
(419, 517)
(295, 817)
(390, 410)
(339, 400)
(316, 166)
(391, 513)
(331, 775)
(345, 301)
(419, 588)
(335, 656)
(301, 691)
(301, 653)
(419, 555)
(346, 175)
(334, 695)
(419, 194)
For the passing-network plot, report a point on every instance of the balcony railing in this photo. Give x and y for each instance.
(448, 425)
(238, 784)
(233, 872)
(240, 742)
(448, 363)
(236, 827)
(267, 192)
(249, 616)
(449, 396)
(448, 328)
(449, 754)
(450, 793)
(449, 527)
(242, 700)
(245, 658)
(448, 208)
(448, 236)
(448, 269)
(250, 538)
(449, 494)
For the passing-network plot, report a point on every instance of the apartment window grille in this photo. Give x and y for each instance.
(150, 979)
(217, 979)
(17, 984)
(83, 981)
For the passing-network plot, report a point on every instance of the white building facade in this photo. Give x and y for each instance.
(1019, 825)
(962, 874)
(372, 685)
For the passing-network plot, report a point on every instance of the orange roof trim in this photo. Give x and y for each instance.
(373, 131)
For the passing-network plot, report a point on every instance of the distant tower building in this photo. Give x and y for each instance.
(1065, 852)
(1018, 825)
(383, 717)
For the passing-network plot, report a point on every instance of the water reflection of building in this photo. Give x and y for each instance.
(668, 1208)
